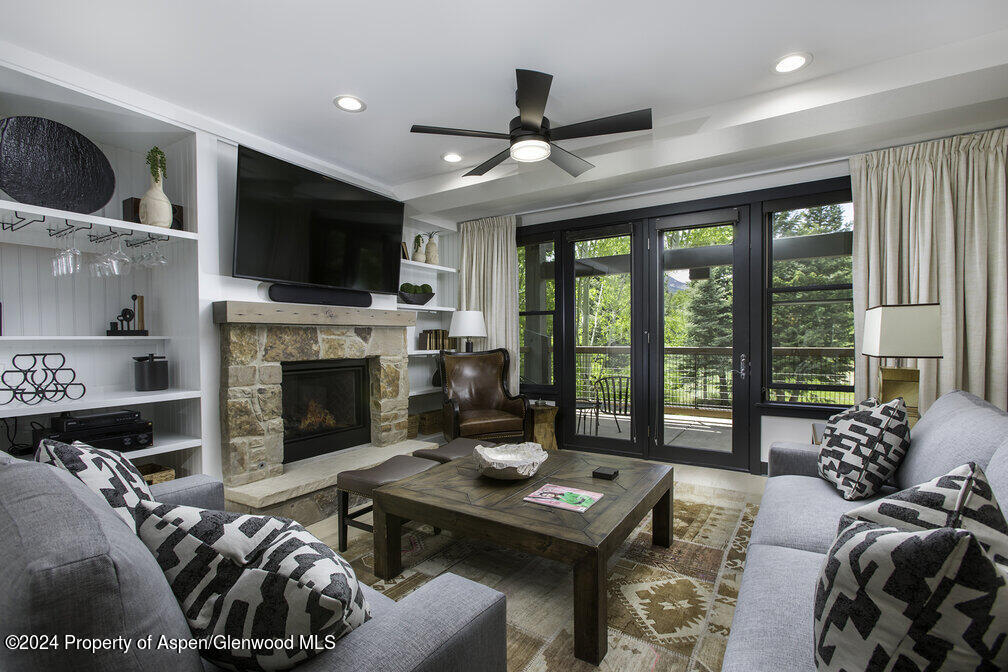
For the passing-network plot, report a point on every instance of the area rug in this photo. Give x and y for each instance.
(669, 609)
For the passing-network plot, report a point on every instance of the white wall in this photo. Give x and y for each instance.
(775, 428)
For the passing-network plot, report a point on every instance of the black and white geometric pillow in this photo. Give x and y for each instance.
(862, 447)
(960, 499)
(870, 402)
(917, 581)
(247, 576)
(889, 599)
(106, 472)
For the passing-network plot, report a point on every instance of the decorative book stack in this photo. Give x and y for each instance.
(436, 339)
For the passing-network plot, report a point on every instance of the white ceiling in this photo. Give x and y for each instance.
(272, 68)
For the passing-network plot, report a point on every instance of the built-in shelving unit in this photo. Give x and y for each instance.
(70, 314)
(425, 308)
(95, 400)
(109, 340)
(165, 443)
(444, 279)
(428, 267)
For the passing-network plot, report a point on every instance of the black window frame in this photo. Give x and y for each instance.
(769, 207)
(536, 390)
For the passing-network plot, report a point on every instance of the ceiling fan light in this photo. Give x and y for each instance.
(529, 150)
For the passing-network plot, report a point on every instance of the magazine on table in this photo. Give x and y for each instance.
(562, 497)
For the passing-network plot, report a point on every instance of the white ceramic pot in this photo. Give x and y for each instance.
(155, 208)
(432, 252)
(419, 255)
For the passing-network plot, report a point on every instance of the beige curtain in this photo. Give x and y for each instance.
(930, 225)
(488, 281)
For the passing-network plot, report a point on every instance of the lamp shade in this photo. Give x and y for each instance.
(912, 330)
(467, 324)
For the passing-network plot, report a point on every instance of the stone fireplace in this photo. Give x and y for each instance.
(260, 349)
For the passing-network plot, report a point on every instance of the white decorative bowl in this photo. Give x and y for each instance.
(510, 461)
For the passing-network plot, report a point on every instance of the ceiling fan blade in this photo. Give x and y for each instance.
(489, 163)
(437, 130)
(533, 89)
(574, 165)
(639, 120)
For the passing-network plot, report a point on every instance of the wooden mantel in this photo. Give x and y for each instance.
(304, 314)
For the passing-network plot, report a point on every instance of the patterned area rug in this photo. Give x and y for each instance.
(669, 609)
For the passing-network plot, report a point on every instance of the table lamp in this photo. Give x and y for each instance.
(467, 324)
(911, 330)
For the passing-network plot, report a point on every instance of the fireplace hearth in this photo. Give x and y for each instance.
(326, 406)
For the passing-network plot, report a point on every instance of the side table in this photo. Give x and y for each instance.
(544, 431)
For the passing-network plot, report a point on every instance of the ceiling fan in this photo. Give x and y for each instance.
(530, 134)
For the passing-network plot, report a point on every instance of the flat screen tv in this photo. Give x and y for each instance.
(294, 226)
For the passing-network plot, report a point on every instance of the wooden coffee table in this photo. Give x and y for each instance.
(454, 496)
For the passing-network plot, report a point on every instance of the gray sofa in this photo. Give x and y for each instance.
(798, 518)
(69, 566)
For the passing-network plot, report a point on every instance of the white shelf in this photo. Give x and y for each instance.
(79, 339)
(166, 443)
(423, 353)
(99, 399)
(7, 208)
(425, 309)
(426, 389)
(428, 267)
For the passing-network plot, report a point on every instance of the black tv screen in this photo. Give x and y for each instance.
(298, 227)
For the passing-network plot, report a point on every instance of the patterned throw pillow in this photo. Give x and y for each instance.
(247, 576)
(960, 499)
(106, 472)
(863, 446)
(917, 581)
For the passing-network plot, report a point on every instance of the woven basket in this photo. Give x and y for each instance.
(156, 473)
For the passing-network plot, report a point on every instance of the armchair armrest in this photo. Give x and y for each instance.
(199, 490)
(451, 624)
(794, 459)
(519, 405)
(450, 418)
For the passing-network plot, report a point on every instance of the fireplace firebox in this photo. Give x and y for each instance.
(326, 406)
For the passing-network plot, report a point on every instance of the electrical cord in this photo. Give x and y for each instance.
(16, 447)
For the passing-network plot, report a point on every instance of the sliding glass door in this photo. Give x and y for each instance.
(699, 346)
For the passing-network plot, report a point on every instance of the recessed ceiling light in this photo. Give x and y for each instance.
(793, 62)
(529, 150)
(349, 103)
(452, 157)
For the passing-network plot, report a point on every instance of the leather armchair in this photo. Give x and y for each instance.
(477, 404)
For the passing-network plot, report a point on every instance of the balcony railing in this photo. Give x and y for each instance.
(701, 378)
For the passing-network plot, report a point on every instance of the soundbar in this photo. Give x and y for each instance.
(318, 295)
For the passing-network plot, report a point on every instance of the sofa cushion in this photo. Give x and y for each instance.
(772, 627)
(239, 575)
(956, 429)
(71, 567)
(801, 512)
(474, 423)
(896, 599)
(863, 446)
(106, 472)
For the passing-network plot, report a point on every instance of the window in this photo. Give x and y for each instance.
(536, 313)
(810, 303)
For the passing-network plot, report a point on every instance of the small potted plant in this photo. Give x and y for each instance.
(415, 295)
(155, 208)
